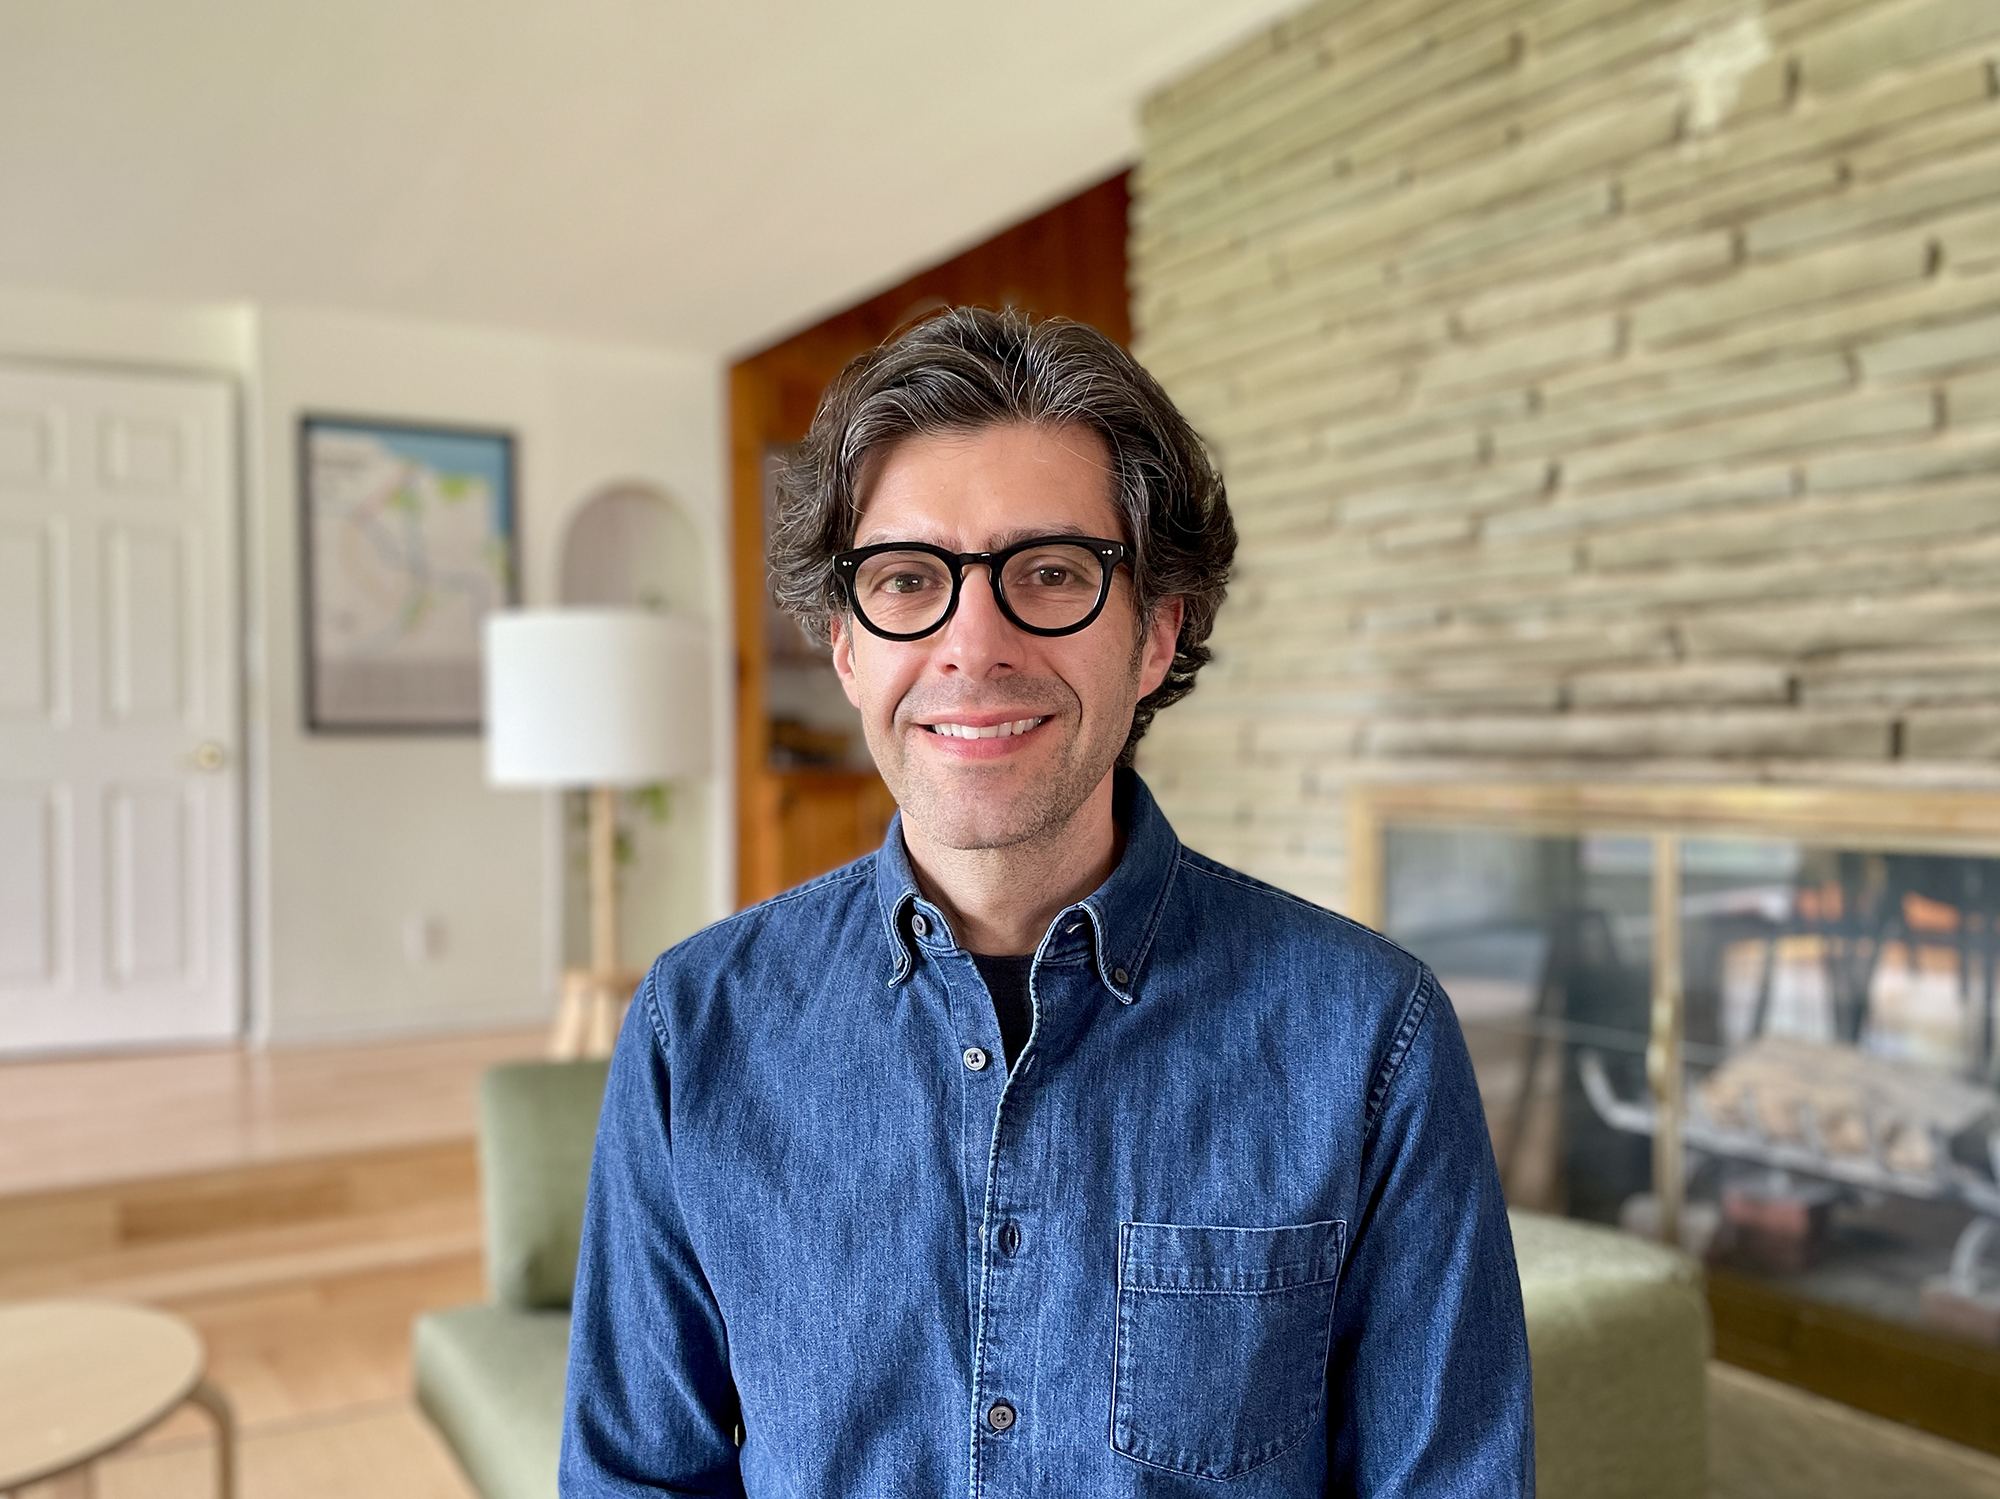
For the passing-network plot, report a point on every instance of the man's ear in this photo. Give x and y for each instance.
(1163, 634)
(843, 657)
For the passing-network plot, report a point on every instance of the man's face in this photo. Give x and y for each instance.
(977, 492)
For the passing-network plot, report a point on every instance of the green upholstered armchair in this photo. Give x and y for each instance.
(1617, 1327)
(1618, 1334)
(490, 1377)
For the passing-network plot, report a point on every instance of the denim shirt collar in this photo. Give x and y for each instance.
(1113, 926)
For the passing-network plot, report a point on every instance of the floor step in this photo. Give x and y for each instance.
(416, 1199)
(266, 1257)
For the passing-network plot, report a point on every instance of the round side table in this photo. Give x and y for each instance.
(79, 1378)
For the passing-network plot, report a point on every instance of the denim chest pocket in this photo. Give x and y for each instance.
(1220, 1363)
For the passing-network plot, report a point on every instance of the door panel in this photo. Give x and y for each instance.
(27, 885)
(140, 452)
(145, 600)
(24, 622)
(120, 887)
(152, 867)
(29, 447)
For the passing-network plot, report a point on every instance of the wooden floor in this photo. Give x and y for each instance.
(81, 1121)
(298, 1207)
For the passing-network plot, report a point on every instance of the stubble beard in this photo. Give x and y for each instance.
(975, 806)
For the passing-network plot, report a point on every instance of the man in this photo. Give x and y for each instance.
(1034, 1154)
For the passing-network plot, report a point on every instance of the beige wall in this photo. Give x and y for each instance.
(349, 835)
(1603, 388)
(360, 833)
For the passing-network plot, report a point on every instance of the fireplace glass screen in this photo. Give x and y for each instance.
(1841, 1125)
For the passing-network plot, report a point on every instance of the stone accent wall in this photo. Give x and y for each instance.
(1603, 388)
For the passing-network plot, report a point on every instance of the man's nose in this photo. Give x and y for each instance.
(978, 639)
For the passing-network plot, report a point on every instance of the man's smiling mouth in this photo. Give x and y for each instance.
(988, 731)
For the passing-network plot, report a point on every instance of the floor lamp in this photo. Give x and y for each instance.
(595, 699)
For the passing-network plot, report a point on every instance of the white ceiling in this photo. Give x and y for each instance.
(707, 176)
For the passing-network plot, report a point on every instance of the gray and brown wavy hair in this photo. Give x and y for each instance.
(968, 369)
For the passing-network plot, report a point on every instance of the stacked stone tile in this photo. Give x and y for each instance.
(1603, 388)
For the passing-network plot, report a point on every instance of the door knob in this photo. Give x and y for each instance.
(208, 755)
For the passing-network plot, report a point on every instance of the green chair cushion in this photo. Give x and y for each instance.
(491, 1379)
(1618, 1336)
(537, 1125)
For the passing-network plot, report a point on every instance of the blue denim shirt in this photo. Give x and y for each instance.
(1232, 1225)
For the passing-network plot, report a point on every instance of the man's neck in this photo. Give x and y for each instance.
(1001, 900)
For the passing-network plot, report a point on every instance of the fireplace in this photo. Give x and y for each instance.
(1758, 1020)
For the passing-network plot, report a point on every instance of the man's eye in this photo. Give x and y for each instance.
(905, 583)
(1052, 575)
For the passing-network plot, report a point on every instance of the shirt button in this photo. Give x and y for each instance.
(999, 1415)
(920, 924)
(976, 1059)
(1120, 977)
(1010, 1238)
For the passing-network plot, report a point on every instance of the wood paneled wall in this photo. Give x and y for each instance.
(1068, 261)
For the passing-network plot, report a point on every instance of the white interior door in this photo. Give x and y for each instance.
(120, 883)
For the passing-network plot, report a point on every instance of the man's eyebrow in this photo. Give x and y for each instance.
(1026, 533)
(876, 537)
(998, 544)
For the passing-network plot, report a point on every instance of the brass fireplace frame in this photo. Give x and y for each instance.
(1905, 1373)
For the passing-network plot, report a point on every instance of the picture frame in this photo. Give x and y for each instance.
(409, 535)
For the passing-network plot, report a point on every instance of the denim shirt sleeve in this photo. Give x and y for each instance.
(1428, 1369)
(650, 1405)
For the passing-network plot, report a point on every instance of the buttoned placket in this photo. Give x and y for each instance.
(983, 1083)
(1074, 973)
(931, 962)
(1007, 1265)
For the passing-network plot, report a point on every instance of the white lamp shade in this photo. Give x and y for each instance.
(594, 697)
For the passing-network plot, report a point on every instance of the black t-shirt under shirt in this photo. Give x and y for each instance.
(1007, 981)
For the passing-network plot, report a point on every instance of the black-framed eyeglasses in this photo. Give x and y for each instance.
(1047, 585)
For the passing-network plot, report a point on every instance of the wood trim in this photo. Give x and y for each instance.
(68, 1224)
(1948, 1388)
(1876, 816)
(752, 396)
(1870, 817)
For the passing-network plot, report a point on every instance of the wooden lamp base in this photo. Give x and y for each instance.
(592, 1006)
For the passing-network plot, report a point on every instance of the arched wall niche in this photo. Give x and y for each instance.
(631, 544)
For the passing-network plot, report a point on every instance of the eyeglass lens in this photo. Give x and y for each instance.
(1049, 587)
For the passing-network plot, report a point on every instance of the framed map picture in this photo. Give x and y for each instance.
(409, 539)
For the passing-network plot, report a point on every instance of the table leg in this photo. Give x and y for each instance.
(212, 1400)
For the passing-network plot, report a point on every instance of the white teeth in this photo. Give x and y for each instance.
(991, 731)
